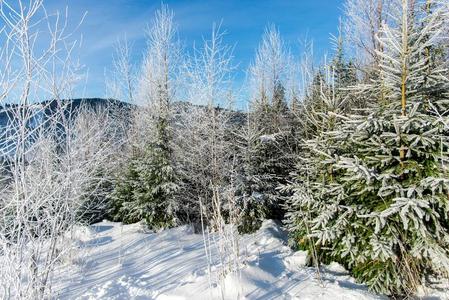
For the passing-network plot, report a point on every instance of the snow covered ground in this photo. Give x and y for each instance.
(117, 261)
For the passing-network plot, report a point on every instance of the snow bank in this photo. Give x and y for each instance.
(125, 262)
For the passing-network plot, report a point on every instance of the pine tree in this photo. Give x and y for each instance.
(266, 147)
(146, 190)
(251, 182)
(267, 143)
(373, 196)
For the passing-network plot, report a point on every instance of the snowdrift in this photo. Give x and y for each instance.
(116, 261)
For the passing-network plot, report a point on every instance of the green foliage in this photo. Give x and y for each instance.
(266, 157)
(372, 184)
(145, 190)
(364, 206)
(253, 213)
(256, 185)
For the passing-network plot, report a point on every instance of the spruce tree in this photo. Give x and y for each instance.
(373, 196)
(251, 182)
(266, 154)
(145, 192)
(267, 144)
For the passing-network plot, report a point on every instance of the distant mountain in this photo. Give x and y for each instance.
(46, 109)
(71, 106)
(40, 112)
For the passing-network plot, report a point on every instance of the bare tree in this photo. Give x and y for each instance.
(363, 23)
(203, 151)
(121, 82)
(161, 61)
(203, 137)
(158, 77)
(49, 156)
(269, 68)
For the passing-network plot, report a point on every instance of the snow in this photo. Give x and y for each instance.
(268, 138)
(117, 261)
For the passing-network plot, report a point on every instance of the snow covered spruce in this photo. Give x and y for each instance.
(372, 186)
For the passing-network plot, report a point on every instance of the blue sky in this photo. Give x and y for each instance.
(243, 20)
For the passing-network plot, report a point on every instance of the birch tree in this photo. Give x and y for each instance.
(121, 81)
(48, 158)
(206, 157)
(203, 154)
(363, 23)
